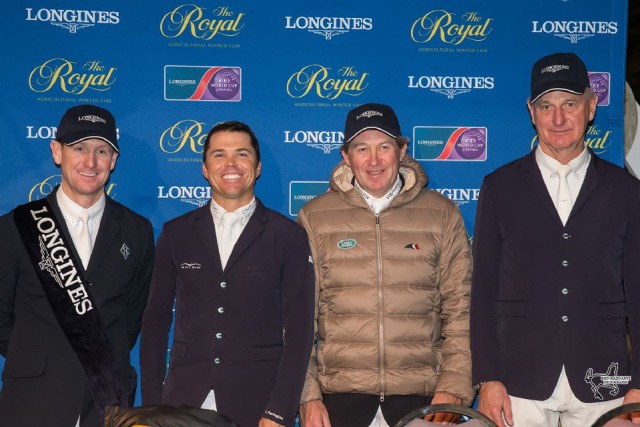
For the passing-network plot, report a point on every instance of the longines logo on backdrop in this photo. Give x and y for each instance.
(70, 77)
(324, 140)
(451, 29)
(186, 137)
(574, 31)
(328, 27)
(450, 86)
(326, 83)
(73, 20)
(43, 188)
(202, 24)
(300, 192)
(460, 196)
(198, 196)
(47, 133)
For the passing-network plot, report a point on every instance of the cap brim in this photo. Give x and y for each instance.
(562, 85)
(84, 138)
(369, 128)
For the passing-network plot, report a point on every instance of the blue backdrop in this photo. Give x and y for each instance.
(456, 74)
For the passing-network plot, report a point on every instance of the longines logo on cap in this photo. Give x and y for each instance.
(554, 69)
(328, 27)
(326, 141)
(574, 31)
(368, 114)
(91, 118)
(73, 20)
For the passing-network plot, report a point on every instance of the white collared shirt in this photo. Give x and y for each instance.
(71, 212)
(244, 214)
(548, 166)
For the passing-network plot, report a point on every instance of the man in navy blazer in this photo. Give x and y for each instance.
(556, 280)
(46, 381)
(242, 279)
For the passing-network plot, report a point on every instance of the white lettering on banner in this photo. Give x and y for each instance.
(450, 85)
(73, 20)
(322, 140)
(575, 31)
(328, 26)
(198, 196)
(58, 263)
(460, 196)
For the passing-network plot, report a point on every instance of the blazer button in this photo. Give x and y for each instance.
(565, 236)
(565, 319)
(216, 360)
(565, 291)
(223, 284)
(220, 309)
(219, 335)
(565, 263)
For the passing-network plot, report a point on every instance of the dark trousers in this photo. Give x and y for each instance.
(358, 410)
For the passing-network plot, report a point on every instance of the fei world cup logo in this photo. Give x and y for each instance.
(197, 83)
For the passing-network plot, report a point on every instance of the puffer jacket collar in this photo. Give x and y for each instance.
(413, 175)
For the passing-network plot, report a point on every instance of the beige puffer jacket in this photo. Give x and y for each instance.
(392, 292)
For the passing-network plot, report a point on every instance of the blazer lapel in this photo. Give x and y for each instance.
(533, 176)
(251, 231)
(107, 233)
(592, 180)
(206, 232)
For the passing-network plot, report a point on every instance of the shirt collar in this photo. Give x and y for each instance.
(243, 212)
(548, 165)
(71, 211)
(377, 204)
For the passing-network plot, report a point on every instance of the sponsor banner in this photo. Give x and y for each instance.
(452, 31)
(450, 143)
(326, 26)
(197, 196)
(202, 24)
(323, 140)
(198, 83)
(450, 86)
(575, 30)
(460, 196)
(300, 192)
(72, 20)
(600, 83)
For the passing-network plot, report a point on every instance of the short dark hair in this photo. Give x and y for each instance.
(232, 126)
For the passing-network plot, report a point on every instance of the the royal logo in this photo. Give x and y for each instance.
(69, 77)
(73, 20)
(347, 244)
(198, 196)
(186, 134)
(326, 141)
(327, 83)
(328, 27)
(574, 31)
(46, 186)
(201, 23)
(450, 28)
(450, 86)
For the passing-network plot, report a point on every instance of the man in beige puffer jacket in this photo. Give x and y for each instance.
(392, 263)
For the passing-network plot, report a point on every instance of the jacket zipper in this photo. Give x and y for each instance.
(380, 313)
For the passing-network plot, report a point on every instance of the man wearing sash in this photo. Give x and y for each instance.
(74, 275)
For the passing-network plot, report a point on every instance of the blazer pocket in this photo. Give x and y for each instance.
(178, 350)
(266, 352)
(24, 365)
(612, 310)
(511, 309)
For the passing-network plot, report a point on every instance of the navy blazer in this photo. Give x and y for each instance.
(546, 295)
(246, 331)
(43, 382)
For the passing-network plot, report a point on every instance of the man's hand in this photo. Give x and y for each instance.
(265, 422)
(632, 396)
(494, 402)
(314, 414)
(444, 417)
